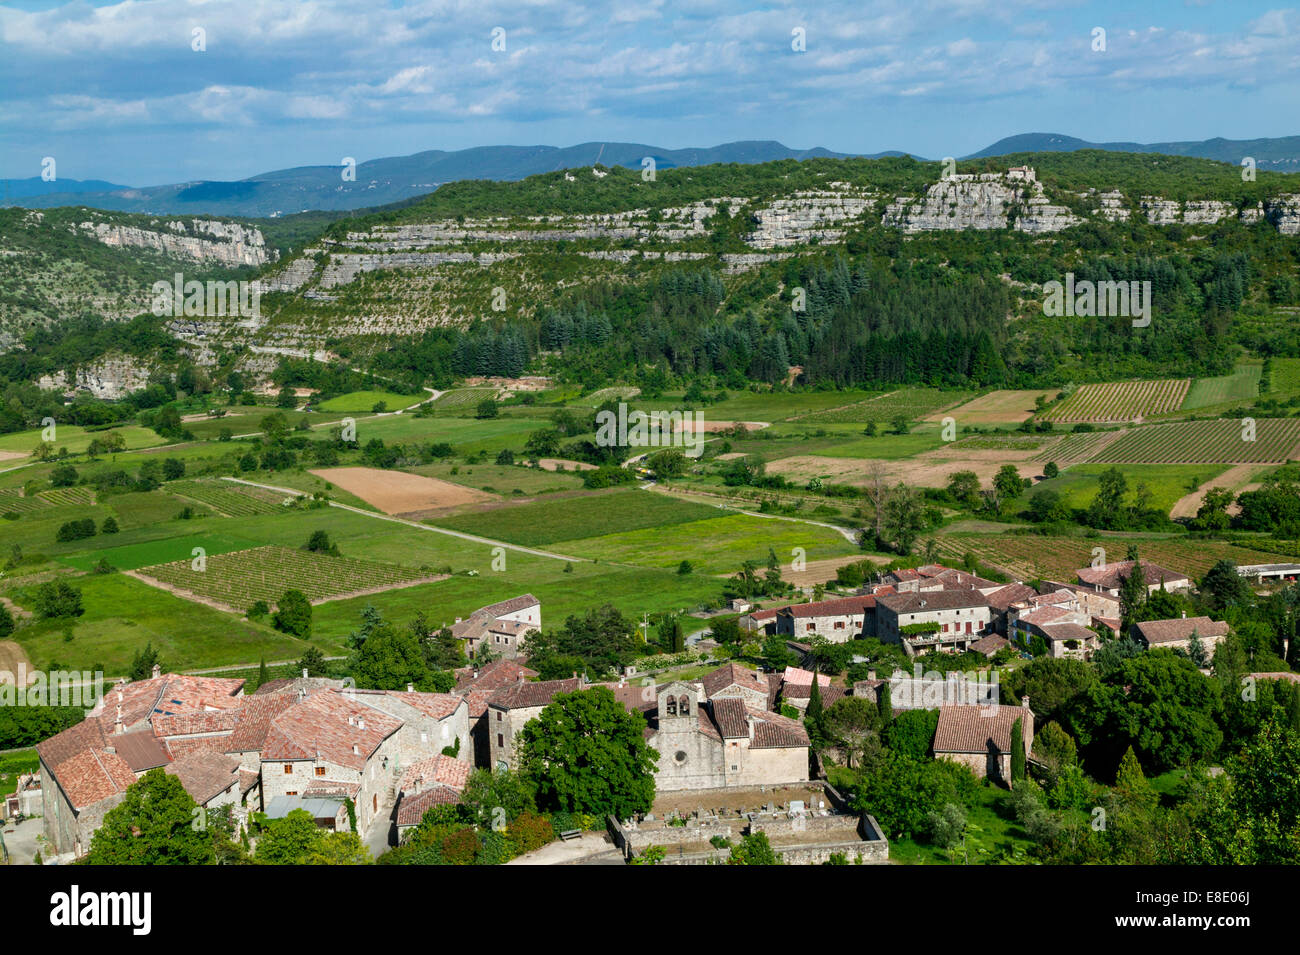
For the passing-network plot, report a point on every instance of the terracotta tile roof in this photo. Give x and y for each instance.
(140, 749)
(774, 731)
(439, 706)
(168, 695)
(840, 607)
(933, 600)
(247, 780)
(730, 715)
(205, 775)
(477, 623)
(254, 721)
(970, 729)
(803, 677)
(761, 615)
(411, 808)
(990, 645)
(188, 724)
(1180, 628)
(310, 684)
(525, 695)
(442, 770)
(494, 676)
(92, 775)
(1011, 593)
(318, 788)
(478, 701)
(179, 747)
(634, 696)
(1291, 677)
(71, 741)
(803, 691)
(1112, 575)
(961, 580)
(1044, 615)
(328, 726)
(1068, 631)
(729, 674)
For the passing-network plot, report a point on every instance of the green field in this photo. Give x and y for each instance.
(135, 556)
(122, 614)
(1167, 483)
(365, 401)
(546, 522)
(912, 403)
(1241, 387)
(76, 439)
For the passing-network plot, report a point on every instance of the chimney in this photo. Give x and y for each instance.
(476, 674)
(361, 722)
(304, 673)
(157, 671)
(871, 674)
(1184, 614)
(356, 750)
(410, 688)
(419, 784)
(1024, 701)
(118, 728)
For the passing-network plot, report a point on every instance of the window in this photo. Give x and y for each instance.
(812, 626)
(288, 769)
(839, 624)
(292, 792)
(672, 706)
(498, 716)
(501, 740)
(683, 706)
(320, 770)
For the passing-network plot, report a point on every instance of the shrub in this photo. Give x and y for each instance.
(530, 831)
(76, 530)
(109, 526)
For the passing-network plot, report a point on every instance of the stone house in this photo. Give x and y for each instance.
(1176, 634)
(839, 621)
(980, 737)
(435, 781)
(1109, 578)
(431, 722)
(960, 617)
(510, 708)
(332, 746)
(501, 626)
(733, 681)
(761, 621)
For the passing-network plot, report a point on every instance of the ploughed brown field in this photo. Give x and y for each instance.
(396, 492)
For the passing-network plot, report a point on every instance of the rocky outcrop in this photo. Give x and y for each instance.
(1284, 213)
(343, 268)
(807, 217)
(981, 202)
(109, 378)
(207, 241)
(293, 277)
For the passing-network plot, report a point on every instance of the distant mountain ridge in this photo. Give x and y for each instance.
(394, 179)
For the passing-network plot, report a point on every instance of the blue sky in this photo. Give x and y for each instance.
(115, 91)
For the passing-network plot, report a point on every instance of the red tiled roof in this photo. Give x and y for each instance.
(524, 695)
(840, 607)
(1112, 575)
(1011, 593)
(254, 721)
(733, 674)
(730, 714)
(168, 695)
(774, 731)
(91, 775)
(1180, 628)
(970, 729)
(803, 677)
(205, 775)
(444, 770)
(439, 706)
(411, 808)
(327, 725)
(1068, 631)
(933, 600)
(494, 676)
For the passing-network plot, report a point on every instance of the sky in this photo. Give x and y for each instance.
(121, 91)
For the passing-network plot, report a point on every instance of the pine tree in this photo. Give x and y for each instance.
(262, 675)
(886, 705)
(1131, 784)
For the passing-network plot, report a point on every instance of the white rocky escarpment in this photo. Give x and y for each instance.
(108, 378)
(981, 202)
(808, 217)
(203, 240)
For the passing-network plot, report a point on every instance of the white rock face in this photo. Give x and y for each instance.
(108, 378)
(981, 202)
(294, 276)
(1284, 213)
(807, 217)
(343, 268)
(227, 243)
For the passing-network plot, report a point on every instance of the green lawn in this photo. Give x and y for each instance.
(146, 554)
(992, 835)
(1167, 482)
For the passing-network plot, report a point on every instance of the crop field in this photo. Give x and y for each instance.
(545, 522)
(146, 553)
(1121, 401)
(1058, 558)
(240, 578)
(462, 399)
(718, 545)
(1284, 378)
(618, 393)
(506, 479)
(76, 439)
(11, 500)
(996, 407)
(912, 403)
(227, 499)
(1206, 442)
(1073, 448)
(365, 401)
(1241, 386)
